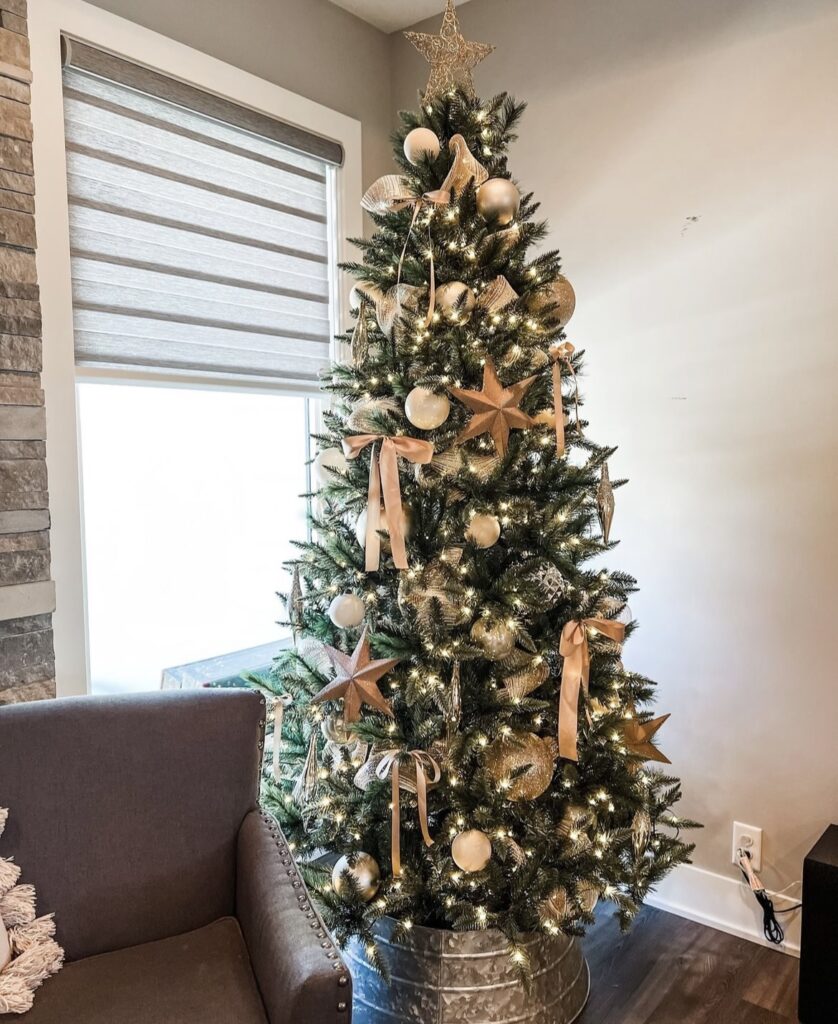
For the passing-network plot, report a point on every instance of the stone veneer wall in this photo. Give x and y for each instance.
(27, 595)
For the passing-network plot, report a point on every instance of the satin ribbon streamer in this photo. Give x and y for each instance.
(389, 765)
(384, 478)
(561, 354)
(439, 197)
(576, 672)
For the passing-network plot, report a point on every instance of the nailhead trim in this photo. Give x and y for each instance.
(315, 923)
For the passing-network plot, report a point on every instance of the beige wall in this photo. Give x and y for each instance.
(311, 47)
(713, 361)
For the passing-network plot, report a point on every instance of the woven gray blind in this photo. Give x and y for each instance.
(199, 247)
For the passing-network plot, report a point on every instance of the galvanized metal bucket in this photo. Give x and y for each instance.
(445, 977)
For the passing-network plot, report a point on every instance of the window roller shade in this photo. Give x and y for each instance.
(199, 245)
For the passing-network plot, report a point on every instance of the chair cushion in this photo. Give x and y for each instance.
(200, 977)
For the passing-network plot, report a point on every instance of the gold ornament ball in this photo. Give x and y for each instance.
(522, 750)
(483, 530)
(383, 526)
(559, 294)
(456, 300)
(556, 907)
(326, 461)
(496, 638)
(347, 611)
(365, 872)
(471, 850)
(419, 143)
(498, 201)
(587, 896)
(426, 409)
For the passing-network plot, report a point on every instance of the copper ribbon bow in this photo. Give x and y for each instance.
(559, 354)
(389, 765)
(384, 478)
(576, 672)
(438, 197)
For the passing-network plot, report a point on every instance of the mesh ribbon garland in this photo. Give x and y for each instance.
(576, 672)
(427, 772)
(559, 354)
(384, 480)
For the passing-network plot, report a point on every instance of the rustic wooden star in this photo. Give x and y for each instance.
(452, 59)
(495, 408)
(357, 680)
(638, 738)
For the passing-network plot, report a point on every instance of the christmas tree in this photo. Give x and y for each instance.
(458, 726)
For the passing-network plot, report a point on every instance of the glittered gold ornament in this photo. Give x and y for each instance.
(587, 896)
(483, 530)
(558, 293)
(434, 594)
(464, 169)
(498, 200)
(420, 143)
(637, 737)
(497, 294)
(573, 827)
(495, 638)
(455, 300)
(371, 415)
(556, 907)
(605, 502)
(426, 409)
(365, 871)
(471, 850)
(523, 682)
(495, 408)
(507, 755)
(452, 59)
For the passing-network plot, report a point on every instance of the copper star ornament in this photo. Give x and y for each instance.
(452, 59)
(357, 680)
(495, 408)
(638, 738)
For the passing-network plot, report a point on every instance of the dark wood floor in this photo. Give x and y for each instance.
(667, 970)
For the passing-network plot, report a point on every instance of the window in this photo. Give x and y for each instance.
(202, 261)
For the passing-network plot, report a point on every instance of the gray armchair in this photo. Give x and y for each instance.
(176, 898)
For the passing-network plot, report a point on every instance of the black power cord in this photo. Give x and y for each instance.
(771, 927)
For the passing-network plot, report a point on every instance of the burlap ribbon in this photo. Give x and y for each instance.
(439, 197)
(559, 354)
(427, 771)
(384, 479)
(576, 672)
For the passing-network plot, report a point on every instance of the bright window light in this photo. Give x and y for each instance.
(191, 502)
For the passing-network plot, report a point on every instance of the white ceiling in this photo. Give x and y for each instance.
(390, 15)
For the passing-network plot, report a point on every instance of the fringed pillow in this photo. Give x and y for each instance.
(28, 952)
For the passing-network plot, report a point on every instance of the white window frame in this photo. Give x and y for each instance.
(47, 20)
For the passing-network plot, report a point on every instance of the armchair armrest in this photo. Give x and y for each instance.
(297, 966)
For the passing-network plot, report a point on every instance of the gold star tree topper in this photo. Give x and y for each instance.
(452, 59)
(357, 680)
(638, 738)
(495, 408)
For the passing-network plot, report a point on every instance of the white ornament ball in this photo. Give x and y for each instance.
(495, 637)
(419, 143)
(365, 872)
(372, 293)
(347, 611)
(456, 300)
(383, 525)
(483, 530)
(426, 409)
(327, 460)
(471, 850)
(498, 201)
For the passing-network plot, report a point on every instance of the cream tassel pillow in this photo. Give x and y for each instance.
(28, 952)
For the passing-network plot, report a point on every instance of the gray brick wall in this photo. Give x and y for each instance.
(27, 595)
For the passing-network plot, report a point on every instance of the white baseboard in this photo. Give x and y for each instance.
(723, 903)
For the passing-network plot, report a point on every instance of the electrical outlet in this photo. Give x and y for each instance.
(747, 837)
